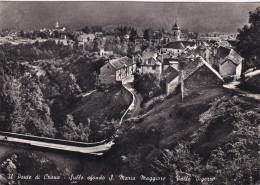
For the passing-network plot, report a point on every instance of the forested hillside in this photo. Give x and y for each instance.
(42, 94)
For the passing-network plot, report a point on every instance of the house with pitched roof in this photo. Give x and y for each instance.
(85, 38)
(177, 47)
(170, 62)
(150, 65)
(199, 74)
(116, 69)
(149, 52)
(170, 77)
(229, 62)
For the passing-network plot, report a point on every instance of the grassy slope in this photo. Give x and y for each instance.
(169, 121)
(206, 121)
(102, 106)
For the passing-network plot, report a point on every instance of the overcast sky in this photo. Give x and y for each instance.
(203, 17)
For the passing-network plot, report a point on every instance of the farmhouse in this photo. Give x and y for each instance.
(199, 75)
(117, 69)
(229, 62)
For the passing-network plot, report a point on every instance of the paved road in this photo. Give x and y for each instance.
(135, 108)
(97, 150)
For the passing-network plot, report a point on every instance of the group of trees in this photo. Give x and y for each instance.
(248, 40)
(147, 84)
(26, 111)
(92, 29)
(37, 97)
(71, 131)
(38, 50)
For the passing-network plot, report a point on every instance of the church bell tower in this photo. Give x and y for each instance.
(176, 32)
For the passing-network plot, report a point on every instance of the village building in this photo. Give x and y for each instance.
(223, 43)
(156, 40)
(170, 77)
(98, 34)
(102, 52)
(116, 69)
(229, 62)
(199, 75)
(149, 52)
(177, 47)
(59, 32)
(170, 62)
(138, 48)
(174, 48)
(204, 52)
(85, 38)
(150, 65)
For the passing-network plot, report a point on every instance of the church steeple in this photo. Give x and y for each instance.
(175, 27)
(57, 25)
(176, 32)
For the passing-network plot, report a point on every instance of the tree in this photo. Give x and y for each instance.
(96, 45)
(21, 33)
(147, 34)
(86, 30)
(133, 34)
(131, 49)
(71, 131)
(248, 38)
(147, 84)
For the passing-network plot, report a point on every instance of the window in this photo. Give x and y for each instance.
(108, 67)
(154, 67)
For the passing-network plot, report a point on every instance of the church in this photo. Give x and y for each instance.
(177, 45)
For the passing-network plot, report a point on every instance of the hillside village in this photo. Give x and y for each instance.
(193, 63)
(128, 103)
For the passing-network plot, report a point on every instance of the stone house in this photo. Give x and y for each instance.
(170, 77)
(170, 62)
(199, 75)
(229, 62)
(149, 52)
(151, 65)
(117, 69)
(204, 52)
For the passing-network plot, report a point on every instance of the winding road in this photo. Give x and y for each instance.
(134, 108)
